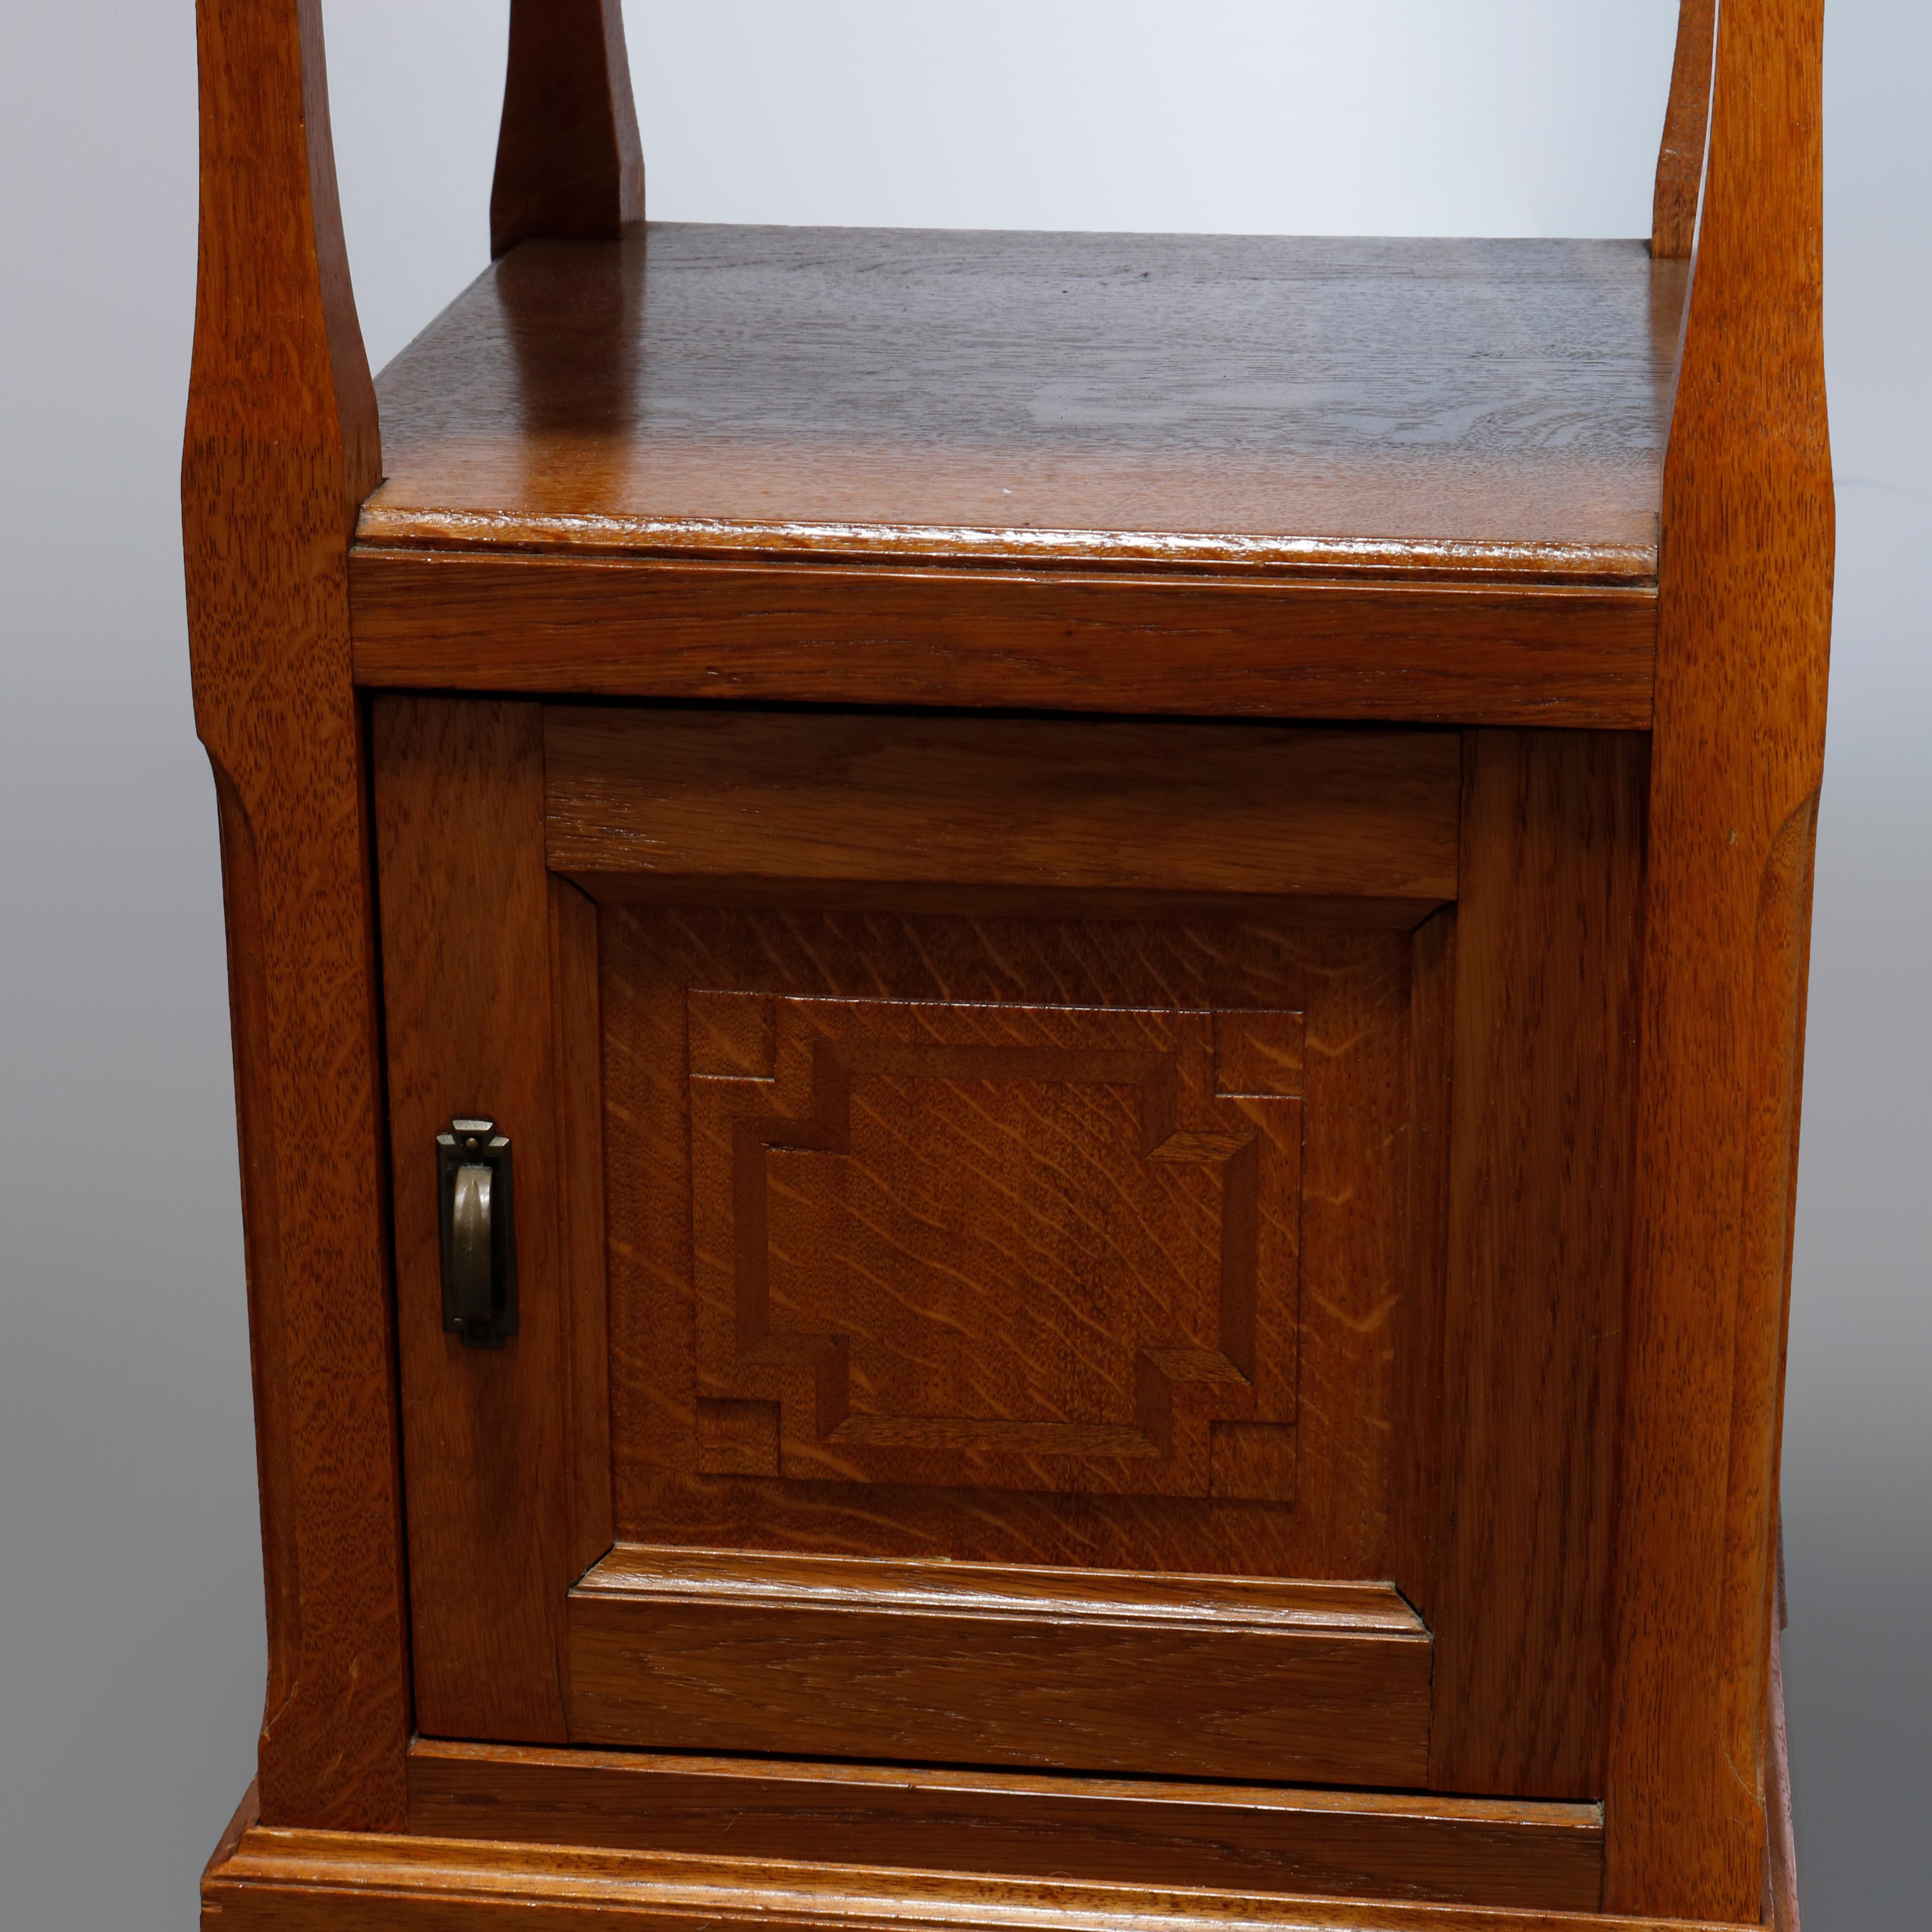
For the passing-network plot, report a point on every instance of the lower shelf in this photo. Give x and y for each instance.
(274, 1880)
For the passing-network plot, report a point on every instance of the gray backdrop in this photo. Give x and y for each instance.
(131, 1639)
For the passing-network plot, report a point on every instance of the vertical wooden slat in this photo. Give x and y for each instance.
(1547, 956)
(282, 444)
(1744, 620)
(569, 164)
(1686, 120)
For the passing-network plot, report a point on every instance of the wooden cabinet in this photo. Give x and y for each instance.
(1017, 1103)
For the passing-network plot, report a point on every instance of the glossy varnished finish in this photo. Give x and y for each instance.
(1492, 409)
(281, 446)
(1139, 1831)
(1737, 760)
(291, 1881)
(569, 161)
(1547, 955)
(1200, 643)
(838, 1657)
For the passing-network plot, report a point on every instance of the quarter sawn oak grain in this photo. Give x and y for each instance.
(941, 1235)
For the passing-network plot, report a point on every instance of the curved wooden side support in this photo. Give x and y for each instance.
(569, 162)
(1686, 120)
(282, 445)
(1744, 613)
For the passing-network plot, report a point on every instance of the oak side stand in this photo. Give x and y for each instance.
(1017, 1025)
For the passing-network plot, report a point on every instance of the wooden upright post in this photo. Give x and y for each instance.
(1687, 121)
(569, 162)
(282, 445)
(1737, 754)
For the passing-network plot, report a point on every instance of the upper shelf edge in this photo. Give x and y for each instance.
(1488, 410)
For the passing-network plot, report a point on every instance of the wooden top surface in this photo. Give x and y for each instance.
(1495, 408)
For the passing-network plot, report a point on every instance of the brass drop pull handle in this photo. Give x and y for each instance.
(471, 1290)
(479, 1239)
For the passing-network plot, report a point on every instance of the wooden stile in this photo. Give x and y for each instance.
(282, 445)
(1737, 756)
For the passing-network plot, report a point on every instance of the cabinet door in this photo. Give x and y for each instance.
(979, 1196)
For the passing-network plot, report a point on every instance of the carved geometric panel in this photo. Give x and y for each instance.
(1023, 1247)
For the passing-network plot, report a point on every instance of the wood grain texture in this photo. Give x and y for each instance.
(1497, 654)
(1744, 619)
(578, 1045)
(1238, 811)
(693, 1000)
(569, 161)
(1687, 121)
(292, 1881)
(1127, 1832)
(1031, 1288)
(466, 923)
(1046, 1248)
(1546, 1004)
(1491, 407)
(281, 446)
(247, 1813)
(836, 1657)
(1417, 1474)
(948, 470)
